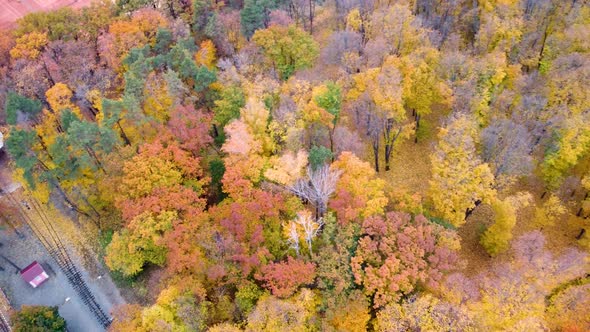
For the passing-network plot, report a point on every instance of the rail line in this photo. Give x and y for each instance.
(4, 310)
(49, 238)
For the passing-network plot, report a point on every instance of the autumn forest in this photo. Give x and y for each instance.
(314, 165)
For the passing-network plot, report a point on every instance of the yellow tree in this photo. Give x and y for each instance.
(158, 102)
(422, 89)
(29, 46)
(551, 210)
(288, 48)
(395, 27)
(205, 56)
(126, 34)
(140, 243)
(359, 192)
(256, 117)
(572, 144)
(276, 315)
(424, 313)
(377, 93)
(492, 74)
(460, 180)
(286, 169)
(496, 239)
(510, 302)
(351, 314)
(177, 308)
(501, 26)
(59, 98)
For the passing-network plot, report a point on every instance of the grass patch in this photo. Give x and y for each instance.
(440, 221)
(425, 131)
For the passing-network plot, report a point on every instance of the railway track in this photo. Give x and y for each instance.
(50, 239)
(5, 309)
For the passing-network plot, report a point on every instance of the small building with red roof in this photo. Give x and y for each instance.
(34, 274)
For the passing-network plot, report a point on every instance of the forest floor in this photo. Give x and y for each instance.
(410, 167)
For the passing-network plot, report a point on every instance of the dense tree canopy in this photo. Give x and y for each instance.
(37, 319)
(305, 165)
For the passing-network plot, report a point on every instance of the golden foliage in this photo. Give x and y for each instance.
(29, 46)
(205, 56)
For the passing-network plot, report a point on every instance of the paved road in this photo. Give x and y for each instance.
(54, 291)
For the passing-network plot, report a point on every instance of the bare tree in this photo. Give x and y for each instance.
(293, 237)
(317, 187)
(310, 226)
(507, 146)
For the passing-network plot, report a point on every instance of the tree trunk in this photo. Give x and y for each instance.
(311, 10)
(389, 143)
(93, 155)
(44, 147)
(96, 221)
(417, 127)
(376, 153)
(123, 135)
(215, 131)
(332, 140)
(68, 200)
(93, 110)
(543, 41)
(51, 80)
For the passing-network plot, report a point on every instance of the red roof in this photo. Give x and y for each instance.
(34, 274)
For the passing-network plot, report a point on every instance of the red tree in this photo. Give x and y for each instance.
(251, 228)
(191, 128)
(396, 253)
(284, 278)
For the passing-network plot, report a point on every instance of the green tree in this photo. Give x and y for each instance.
(318, 156)
(255, 15)
(17, 104)
(139, 243)
(288, 48)
(331, 101)
(164, 40)
(20, 146)
(37, 319)
(61, 24)
(228, 106)
(92, 141)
